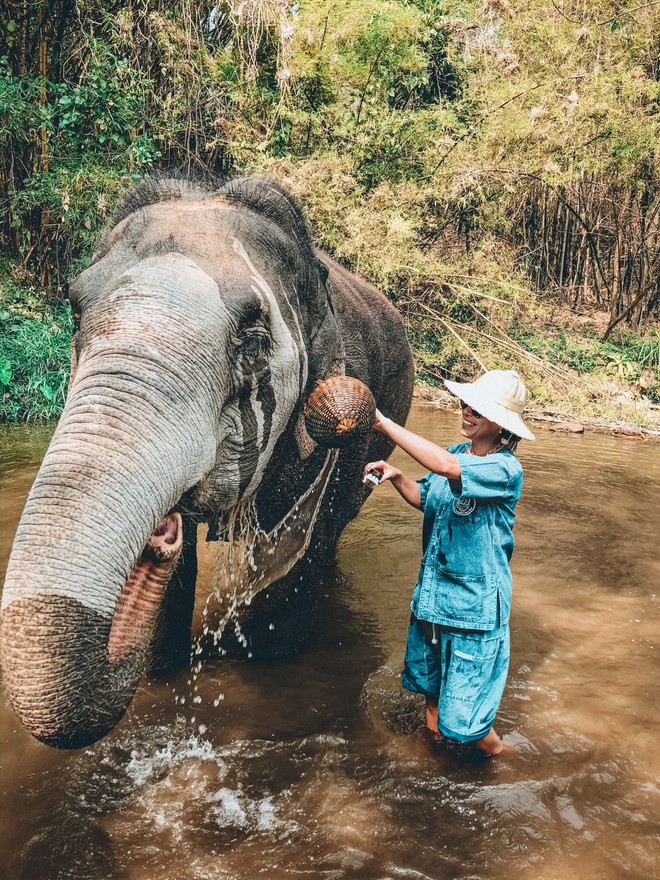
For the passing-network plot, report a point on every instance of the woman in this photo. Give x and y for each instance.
(457, 653)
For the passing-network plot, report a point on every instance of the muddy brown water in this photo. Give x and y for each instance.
(316, 767)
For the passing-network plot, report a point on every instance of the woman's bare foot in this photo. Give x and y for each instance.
(431, 715)
(492, 744)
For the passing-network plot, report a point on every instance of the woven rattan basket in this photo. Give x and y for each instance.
(339, 411)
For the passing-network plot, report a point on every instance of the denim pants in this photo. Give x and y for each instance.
(463, 670)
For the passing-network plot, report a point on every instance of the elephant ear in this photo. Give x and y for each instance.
(269, 199)
(323, 272)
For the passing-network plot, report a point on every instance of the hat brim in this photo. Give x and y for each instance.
(505, 418)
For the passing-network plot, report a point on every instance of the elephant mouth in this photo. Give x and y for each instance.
(141, 597)
(165, 539)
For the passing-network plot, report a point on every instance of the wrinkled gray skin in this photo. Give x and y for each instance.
(201, 328)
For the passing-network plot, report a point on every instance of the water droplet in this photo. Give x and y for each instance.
(272, 626)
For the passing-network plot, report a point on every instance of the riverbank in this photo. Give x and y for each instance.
(574, 371)
(555, 421)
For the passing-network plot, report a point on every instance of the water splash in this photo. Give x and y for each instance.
(251, 558)
(186, 783)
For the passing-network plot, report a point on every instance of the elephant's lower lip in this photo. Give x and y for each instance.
(140, 599)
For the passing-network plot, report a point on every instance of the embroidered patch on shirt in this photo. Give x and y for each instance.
(464, 506)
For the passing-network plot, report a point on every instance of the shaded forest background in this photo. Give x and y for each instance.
(491, 166)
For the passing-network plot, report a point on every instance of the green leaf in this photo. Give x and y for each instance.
(47, 392)
(5, 371)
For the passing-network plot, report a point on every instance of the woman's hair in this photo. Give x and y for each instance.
(511, 439)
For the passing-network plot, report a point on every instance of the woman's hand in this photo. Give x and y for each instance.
(383, 470)
(379, 422)
(407, 488)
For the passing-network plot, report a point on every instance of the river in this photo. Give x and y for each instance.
(317, 766)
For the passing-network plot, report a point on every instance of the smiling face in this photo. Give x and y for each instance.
(476, 427)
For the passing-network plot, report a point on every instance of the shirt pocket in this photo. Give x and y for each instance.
(467, 600)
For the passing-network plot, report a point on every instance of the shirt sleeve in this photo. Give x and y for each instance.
(490, 477)
(424, 485)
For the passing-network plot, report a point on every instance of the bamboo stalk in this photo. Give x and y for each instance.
(43, 72)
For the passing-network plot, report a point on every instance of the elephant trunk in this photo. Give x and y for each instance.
(93, 553)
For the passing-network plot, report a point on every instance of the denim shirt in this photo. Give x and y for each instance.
(464, 580)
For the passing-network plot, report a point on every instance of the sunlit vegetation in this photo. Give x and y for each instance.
(492, 166)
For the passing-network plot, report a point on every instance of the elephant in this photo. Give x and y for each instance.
(203, 323)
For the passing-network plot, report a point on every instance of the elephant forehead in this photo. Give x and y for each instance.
(255, 422)
(172, 278)
(170, 296)
(189, 289)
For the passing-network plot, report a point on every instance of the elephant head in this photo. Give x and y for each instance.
(200, 328)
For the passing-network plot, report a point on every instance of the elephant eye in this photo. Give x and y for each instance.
(254, 341)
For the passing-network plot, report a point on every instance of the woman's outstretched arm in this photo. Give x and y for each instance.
(434, 458)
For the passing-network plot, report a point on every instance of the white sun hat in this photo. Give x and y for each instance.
(499, 395)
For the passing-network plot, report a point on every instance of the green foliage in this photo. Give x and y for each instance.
(428, 140)
(645, 350)
(103, 111)
(633, 359)
(20, 113)
(34, 353)
(94, 142)
(627, 358)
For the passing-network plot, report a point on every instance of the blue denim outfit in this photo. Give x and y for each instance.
(458, 639)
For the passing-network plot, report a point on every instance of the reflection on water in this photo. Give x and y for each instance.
(317, 766)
